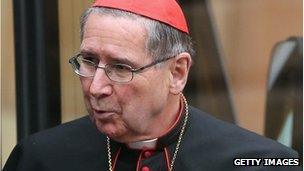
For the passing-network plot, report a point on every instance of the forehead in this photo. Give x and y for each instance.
(107, 34)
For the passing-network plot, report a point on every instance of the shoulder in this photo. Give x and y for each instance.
(212, 144)
(63, 132)
(230, 138)
(67, 145)
(72, 134)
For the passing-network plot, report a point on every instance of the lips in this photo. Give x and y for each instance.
(103, 114)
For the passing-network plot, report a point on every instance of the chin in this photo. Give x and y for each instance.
(109, 129)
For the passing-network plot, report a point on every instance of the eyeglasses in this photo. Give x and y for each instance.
(122, 73)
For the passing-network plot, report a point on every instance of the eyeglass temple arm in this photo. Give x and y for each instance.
(151, 64)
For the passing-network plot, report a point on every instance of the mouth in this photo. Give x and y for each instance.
(103, 114)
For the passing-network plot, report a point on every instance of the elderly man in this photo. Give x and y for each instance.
(133, 65)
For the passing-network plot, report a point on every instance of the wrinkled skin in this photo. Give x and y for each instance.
(143, 108)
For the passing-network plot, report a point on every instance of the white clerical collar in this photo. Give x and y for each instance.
(145, 144)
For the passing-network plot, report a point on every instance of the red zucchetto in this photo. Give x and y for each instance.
(165, 11)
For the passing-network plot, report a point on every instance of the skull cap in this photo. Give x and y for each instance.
(165, 11)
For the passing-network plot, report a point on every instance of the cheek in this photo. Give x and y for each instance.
(126, 96)
(85, 85)
(139, 99)
(131, 99)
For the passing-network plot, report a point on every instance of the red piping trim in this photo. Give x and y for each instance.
(115, 159)
(167, 158)
(138, 161)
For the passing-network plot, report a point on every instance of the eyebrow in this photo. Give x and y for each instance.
(124, 61)
(85, 52)
(117, 59)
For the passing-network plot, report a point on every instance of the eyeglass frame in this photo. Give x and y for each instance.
(132, 70)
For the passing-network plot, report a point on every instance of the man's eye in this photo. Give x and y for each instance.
(122, 67)
(91, 59)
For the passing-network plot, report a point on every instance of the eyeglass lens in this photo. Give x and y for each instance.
(115, 72)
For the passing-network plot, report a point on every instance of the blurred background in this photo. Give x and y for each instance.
(248, 67)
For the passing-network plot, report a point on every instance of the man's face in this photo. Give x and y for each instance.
(128, 111)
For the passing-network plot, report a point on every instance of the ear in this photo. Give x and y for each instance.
(179, 72)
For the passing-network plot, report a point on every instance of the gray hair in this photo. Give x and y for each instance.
(163, 41)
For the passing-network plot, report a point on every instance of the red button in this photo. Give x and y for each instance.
(147, 154)
(145, 168)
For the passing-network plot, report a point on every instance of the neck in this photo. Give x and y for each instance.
(166, 119)
(160, 123)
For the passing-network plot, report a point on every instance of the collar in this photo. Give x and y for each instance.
(145, 144)
(170, 136)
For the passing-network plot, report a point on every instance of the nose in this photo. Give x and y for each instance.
(101, 85)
